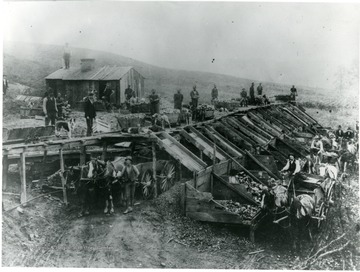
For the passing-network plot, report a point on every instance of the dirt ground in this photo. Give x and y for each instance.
(47, 233)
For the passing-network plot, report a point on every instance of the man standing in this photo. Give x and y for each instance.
(194, 94)
(108, 92)
(252, 93)
(90, 113)
(214, 94)
(317, 149)
(59, 104)
(50, 109)
(293, 93)
(259, 89)
(154, 102)
(244, 99)
(67, 56)
(178, 99)
(5, 85)
(128, 94)
(129, 174)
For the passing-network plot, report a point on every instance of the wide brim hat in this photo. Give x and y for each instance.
(128, 158)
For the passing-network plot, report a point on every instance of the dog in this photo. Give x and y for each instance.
(161, 118)
(68, 126)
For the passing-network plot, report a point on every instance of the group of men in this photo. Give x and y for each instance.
(52, 107)
(337, 141)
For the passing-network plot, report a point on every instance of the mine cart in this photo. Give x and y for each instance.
(212, 197)
(141, 108)
(165, 177)
(229, 105)
(319, 189)
(283, 98)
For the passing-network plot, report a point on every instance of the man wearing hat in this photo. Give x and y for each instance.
(178, 99)
(90, 113)
(252, 93)
(349, 134)
(292, 166)
(130, 175)
(317, 148)
(154, 102)
(194, 95)
(214, 94)
(244, 98)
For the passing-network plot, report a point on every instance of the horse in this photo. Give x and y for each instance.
(112, 173)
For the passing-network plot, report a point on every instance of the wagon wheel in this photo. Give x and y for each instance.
(322, 214)
(147, 184)
(167, 176)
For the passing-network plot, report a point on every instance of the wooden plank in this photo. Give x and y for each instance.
(220, 154)
(247, 172)
(184, 149)
(176, 156)
(233, 127)
(5, 172)
(255, 127)
(23, 197)
(220, 140)
(234, 189)
(63, 180)
(265, 125)
(262, 166)
(203, 149)
(104, 152)
(246, 131)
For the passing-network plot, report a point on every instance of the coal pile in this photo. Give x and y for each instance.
(252, 187)
(244, 210)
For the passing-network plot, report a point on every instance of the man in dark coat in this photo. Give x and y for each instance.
(259, 89)
(90, 113)
(252, 93)
(214, 94)
(349, 134)
(50, 109)
(244, 99)
(194, 94)
(59, 105)
(178, 99)
(293, 92)
(128, 94)
(154, 102)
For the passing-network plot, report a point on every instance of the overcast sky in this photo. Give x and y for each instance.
(283, 42)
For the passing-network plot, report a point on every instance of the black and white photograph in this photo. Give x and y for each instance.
(180, 135)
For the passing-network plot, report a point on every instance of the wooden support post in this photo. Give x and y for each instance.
(180, 171)
(212, 183)
(103, 156)
(195, 179)
(62, 170)
(23, 197)
(154, 169)
(42, 174)
(214, 157)
(201, 155)
(83, 155)
(5, 171)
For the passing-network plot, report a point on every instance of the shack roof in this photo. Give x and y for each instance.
(97, 73)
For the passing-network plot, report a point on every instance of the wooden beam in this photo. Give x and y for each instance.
(104, 152)
(5, 172)
(262, 166)
(23, 197)
(153, 148)
(42, 175)
(63, 180)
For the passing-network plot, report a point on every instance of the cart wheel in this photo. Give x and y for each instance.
(167, 177)
(322, 213)
(147, 184)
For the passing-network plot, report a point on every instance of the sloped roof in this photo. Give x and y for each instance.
(100, 73)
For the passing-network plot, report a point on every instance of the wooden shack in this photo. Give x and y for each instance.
(76, 82)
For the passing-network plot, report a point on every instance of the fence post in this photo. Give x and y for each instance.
(23, 196)
(62, 170)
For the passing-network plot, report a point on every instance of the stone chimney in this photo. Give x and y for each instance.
(87, 64)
